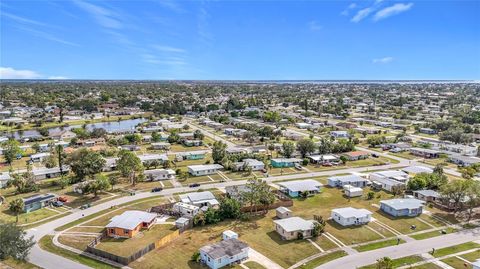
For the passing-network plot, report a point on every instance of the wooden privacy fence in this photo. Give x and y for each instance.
(126, 260)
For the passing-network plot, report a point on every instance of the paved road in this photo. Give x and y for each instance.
(403, 250)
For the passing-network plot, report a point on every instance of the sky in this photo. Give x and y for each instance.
(240, 40)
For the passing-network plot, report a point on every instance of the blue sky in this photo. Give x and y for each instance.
(167, 39)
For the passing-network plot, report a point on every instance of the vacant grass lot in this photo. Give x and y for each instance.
(432, 234)
(398, 262)
(454, 249)
(127, 246)
(76, 241)
(381, 244)
(323, 259)
(254, 265)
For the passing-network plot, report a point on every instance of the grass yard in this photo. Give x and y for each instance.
(76, 241)
(398, 262)
(25, 218)
(182, 148)
(323, 259)
(352, 234)
(254, 265)
(401, 224)
(202, 179)
(86, 229)
(472, 256)
(427, 266)
(18, 264)
(377, 245)
(127, 246)
(457, 263)
(431, 234)
(258, 233)
(405, 155)
(47, 244)
(455, 249)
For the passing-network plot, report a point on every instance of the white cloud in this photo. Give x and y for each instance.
(347, 10)
(168, 49)
(47, 36)
(314, 26)
(104, 17)
(22, 20)
(384, 60)
(10, 73)
(352, 5)
(361, 14)
(392, 10)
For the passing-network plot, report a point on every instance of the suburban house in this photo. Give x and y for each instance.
(186, 210)
(459, 149)
(425, 153)
(463, 161)
(39, 157)
(190, 155)
(161, 146)
(4, 178)
(283, 212)
(427, 196)
(284, 162)
(351, 191)
(203, 169)
(192, 143)
(200, 199)
(224, 253)
(323, 159)
(129, 223)
(399, 176)
(339, 134)
(149, 158)
(351, 216)
(297, 187)
(110, 164)
(294, 228)
(353, 180)
(43, 173)
(429, 131)
(159, 174)
(38, 201)
(186, 136)
(130, 147)
(235, 191)
(417, 169)
(62, 135)
(387, 184)
(356, 155)
(255, 164)
(182, 223)
(408, 207)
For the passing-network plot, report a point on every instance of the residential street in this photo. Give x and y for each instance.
(407, 249)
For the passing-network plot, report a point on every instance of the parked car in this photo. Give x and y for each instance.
(57, 204)
(327, 164)
(298, 167)
(157, 189)
(63, 199)
(374, 155)
(194, 185)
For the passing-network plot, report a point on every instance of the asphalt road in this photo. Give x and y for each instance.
(403, 250)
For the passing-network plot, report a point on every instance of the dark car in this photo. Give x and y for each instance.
(194, 185)
(57, 204)
(157, 189)
(375, 155)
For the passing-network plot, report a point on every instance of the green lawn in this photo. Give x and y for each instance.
(323, 259)
(427, 266)
(454, 249)
(472, 256)
(457, 263)
(47, 244)
(432, 233)
(377, 245)
(398, 262)
(78, 242)
(127, 246)
(18, 264)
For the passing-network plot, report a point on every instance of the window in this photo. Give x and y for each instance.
(126, 231)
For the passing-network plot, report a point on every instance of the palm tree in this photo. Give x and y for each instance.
(16, 206)
(384, 263)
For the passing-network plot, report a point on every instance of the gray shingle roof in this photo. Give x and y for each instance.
(399, 204)
(225, 248)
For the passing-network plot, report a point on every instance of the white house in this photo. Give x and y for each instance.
(255, 164)
(351, 191)
(352, 180)
(339, 134)
(39, 157)
(294, 228)
(351, 216)
(187, 210)
(159, 174)
(203, 169)
(200, 199)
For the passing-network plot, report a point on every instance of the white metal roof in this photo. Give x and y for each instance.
(348, 212)
(130, 219)
(294, 224)
(301, 185)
